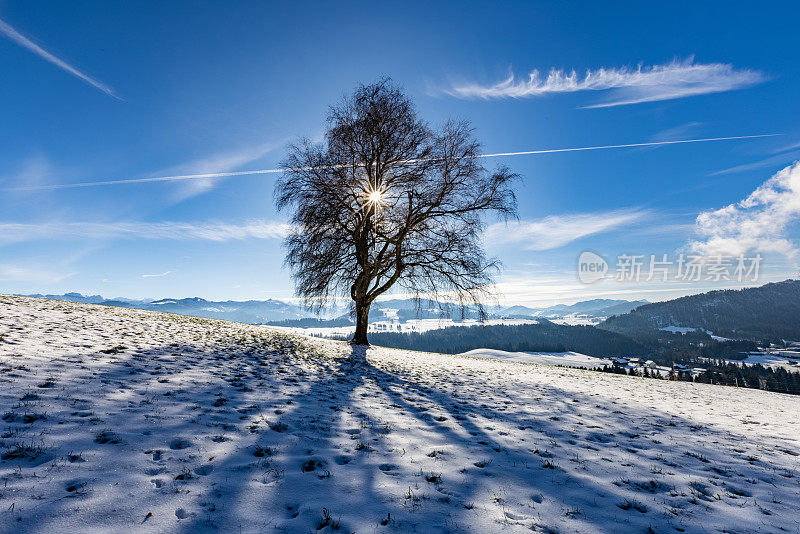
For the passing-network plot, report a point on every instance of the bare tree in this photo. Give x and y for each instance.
(386, 200)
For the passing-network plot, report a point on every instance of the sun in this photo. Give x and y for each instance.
(374, 197)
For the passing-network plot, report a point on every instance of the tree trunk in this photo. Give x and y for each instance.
(362, 322)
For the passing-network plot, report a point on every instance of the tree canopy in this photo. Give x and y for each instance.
(385, 199)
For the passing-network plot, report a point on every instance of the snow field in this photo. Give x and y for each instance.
(119, 419)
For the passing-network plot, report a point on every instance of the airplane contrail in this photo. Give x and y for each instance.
(23, 41)
(274, 171)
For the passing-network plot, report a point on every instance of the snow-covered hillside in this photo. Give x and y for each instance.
(125, 420)
(566, 359)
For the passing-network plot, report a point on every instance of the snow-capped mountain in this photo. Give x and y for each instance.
(249, 311)
(593, 308)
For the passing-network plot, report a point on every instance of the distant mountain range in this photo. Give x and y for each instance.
(405, 309)
(594, 308)
(88, 299)
(771, 311)
(249, 311)
(270, 311)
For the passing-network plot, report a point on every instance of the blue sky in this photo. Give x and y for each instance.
(98, 91)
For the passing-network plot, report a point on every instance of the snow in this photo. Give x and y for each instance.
(127, 420)
(687, 329)
(411, 325)
(767, 360)
(678, 329)
(717, 338)
(566, 359)
(576, 319)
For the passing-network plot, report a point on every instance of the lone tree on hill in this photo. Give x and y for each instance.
(387, 200)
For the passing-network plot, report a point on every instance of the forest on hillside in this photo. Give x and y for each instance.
(543, 337)
(770, 312)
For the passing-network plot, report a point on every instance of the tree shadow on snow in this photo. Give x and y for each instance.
(372, 439)
(259, 438)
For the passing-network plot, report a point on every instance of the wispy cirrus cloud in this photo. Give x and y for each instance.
(29, 273)
(626, 85)
(159, 275)
(779, 157)
(211, 231)
(787, 148)
(191, 178)
(772, 161)
(558, 230)
(23, 41)
(759, 223)
(215, 167)
(681, 131)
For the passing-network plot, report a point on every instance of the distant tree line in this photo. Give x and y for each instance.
(728, 350)
(312, 322)
(756, 376)
(693, 350)
(543, 337)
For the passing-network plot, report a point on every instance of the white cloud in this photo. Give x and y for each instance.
(257, 229)
(215, 167)
(30, 273)
(677, 132)
(33, 172)
(557, 230)
(192, 178)
(159, 275)
(759, 223)
(627, 85)
(787, 148)
(775, 161)
(23, 41)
